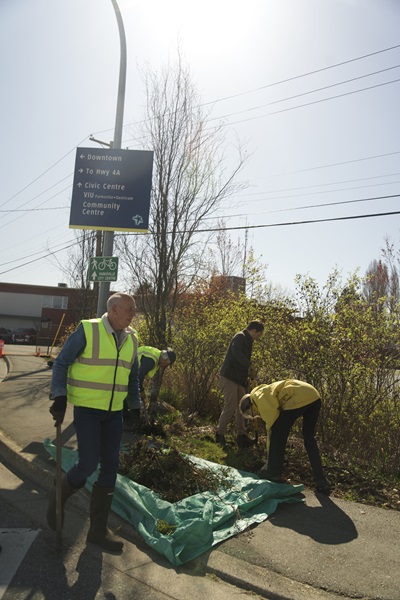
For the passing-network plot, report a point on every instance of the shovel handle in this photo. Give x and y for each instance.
(58, 488)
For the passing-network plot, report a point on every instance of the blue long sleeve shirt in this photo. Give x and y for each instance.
(72, 349)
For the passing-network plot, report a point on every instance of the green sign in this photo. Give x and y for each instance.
(103, 268)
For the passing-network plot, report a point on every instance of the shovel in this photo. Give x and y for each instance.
(146, 414)
(58, 490)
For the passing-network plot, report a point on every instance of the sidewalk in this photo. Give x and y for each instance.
(312, 551)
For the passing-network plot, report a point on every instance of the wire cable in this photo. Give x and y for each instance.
(282, 110)
(44, 173)
(345, 62)
(326, 87)
(235, 228)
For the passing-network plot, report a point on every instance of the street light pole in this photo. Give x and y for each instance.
(108, 238)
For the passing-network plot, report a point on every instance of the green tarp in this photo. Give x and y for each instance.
(202, 520)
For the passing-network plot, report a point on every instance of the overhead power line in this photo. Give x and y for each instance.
(321, 205)
(235, 228)
(39, 258)
(30, 210)
(315, 185)
(47, 252)
(321, 192)
(275, 83)
(254, 108)
(348, 218)
(326, 87)
(36, 208)
(44, 173)
(282, 110)
(347, 162)
(230, 216)
(242, 93)
(40, 194)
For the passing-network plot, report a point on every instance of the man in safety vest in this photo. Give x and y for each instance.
(95, 371)
(279, 405)
(152, 361)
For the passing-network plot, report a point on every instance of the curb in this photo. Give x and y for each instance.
(43, 476)
(245, 576)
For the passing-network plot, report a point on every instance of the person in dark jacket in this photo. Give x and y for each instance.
(233, 379)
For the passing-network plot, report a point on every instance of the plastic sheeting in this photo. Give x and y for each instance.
(200, 521)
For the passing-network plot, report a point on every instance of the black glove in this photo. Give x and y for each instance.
(58, 409)
(252, 372)
(134, 420)
(135, 414)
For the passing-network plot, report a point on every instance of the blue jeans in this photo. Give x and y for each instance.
(280, 432)
(98, 433)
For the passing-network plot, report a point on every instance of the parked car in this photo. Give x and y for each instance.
(6, 335)
(24, 336)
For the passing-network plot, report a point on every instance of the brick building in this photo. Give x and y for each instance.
(44, 308)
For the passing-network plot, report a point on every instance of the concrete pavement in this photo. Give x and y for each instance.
(318, 550)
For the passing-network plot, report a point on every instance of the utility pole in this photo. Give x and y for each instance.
(246, 234)
(108, 238)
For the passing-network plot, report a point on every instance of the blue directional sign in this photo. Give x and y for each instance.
(111, 190)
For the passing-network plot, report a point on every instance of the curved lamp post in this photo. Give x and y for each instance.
(108, 239)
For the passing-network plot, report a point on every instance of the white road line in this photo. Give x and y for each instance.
(15, 543)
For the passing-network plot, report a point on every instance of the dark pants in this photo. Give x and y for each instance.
(280, 432)
(98, 434)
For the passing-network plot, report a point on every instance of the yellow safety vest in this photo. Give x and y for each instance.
(99, 376)
(153, 353)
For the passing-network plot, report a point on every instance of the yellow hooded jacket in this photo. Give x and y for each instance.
(270, 400)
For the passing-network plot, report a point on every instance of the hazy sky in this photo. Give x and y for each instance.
(318, 132)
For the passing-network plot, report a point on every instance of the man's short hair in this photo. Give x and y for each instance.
(116, 299)
(257, 325)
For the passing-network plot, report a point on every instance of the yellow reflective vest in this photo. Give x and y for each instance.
(270, 400)
(99, 376)
(153, 353)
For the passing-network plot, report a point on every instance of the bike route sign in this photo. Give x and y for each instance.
(103, 268)
(111, 190)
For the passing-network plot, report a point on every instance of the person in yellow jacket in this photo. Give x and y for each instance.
(279, 405)
(95, 371)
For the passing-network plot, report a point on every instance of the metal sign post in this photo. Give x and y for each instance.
(111, 189)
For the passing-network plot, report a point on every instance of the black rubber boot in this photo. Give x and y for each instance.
(66, 492)
(220, 439)
(243, 441)
(100, 506)
(323, 486)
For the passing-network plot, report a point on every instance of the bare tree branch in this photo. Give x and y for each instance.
(190, 181)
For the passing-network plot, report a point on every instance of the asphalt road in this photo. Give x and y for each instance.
(317, 550)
